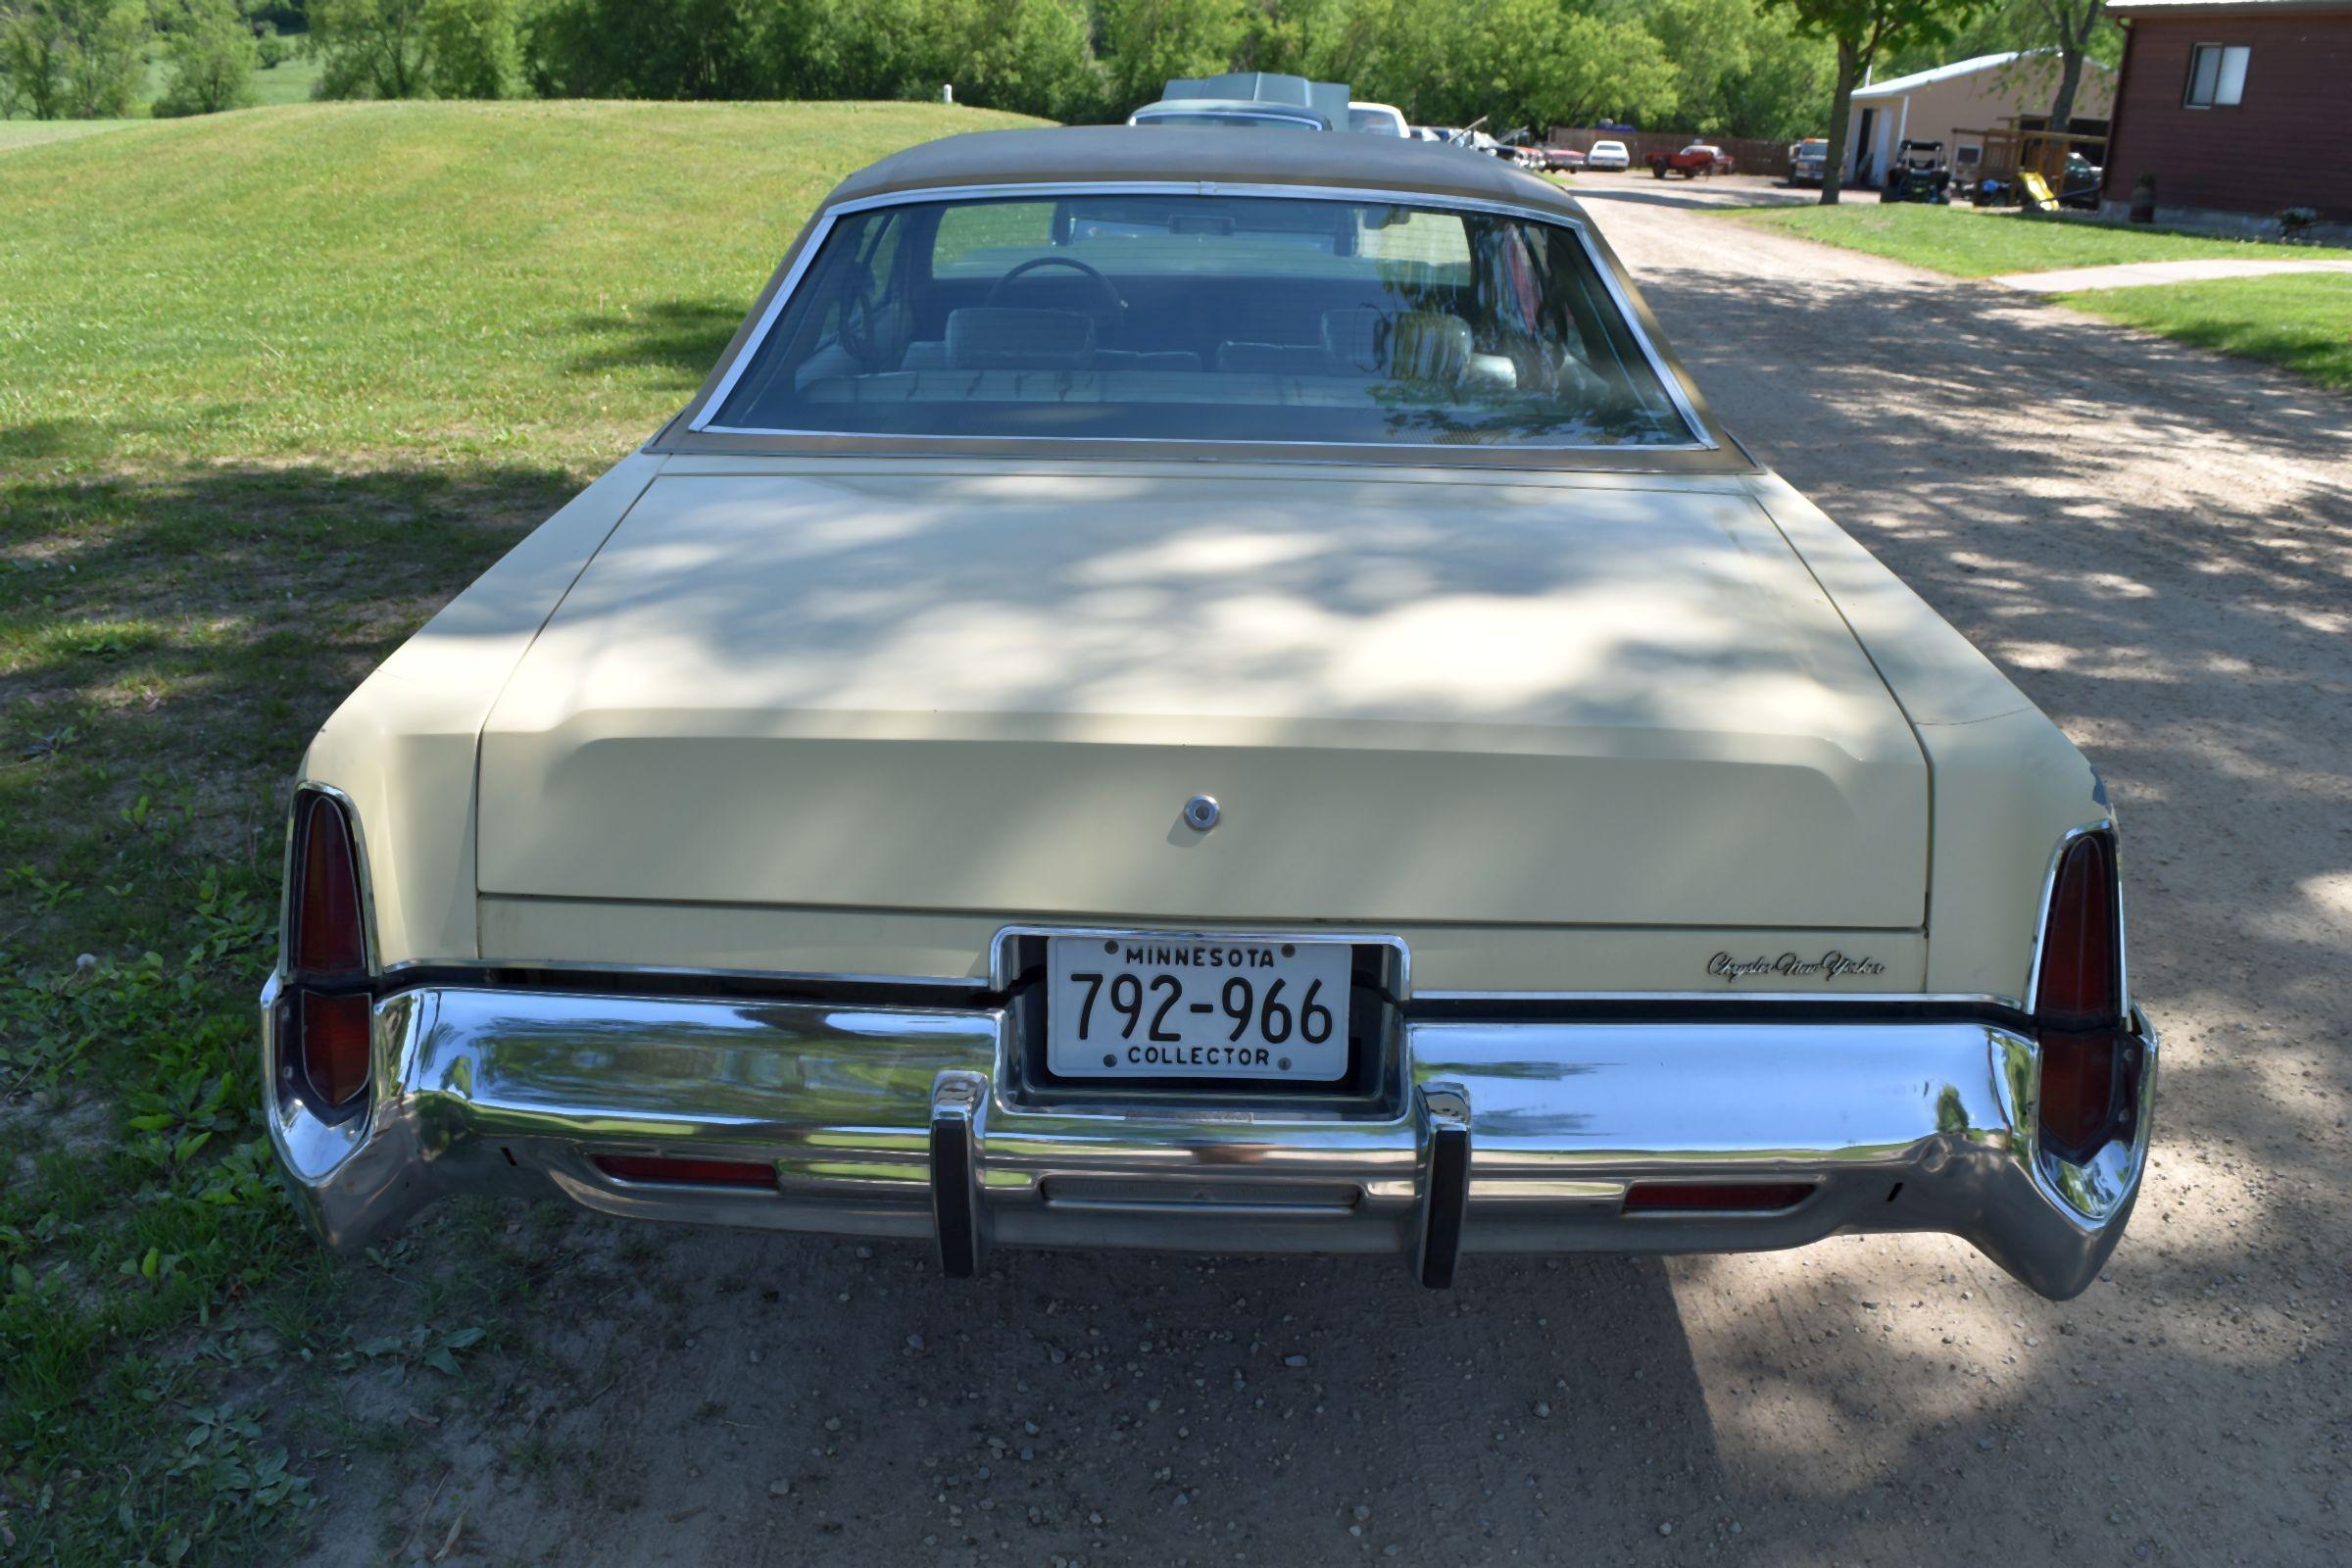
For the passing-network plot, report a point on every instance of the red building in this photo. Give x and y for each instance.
(2239, 109)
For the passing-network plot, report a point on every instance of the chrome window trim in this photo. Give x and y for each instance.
(1677, 393)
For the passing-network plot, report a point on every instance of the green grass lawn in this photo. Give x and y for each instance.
(15, 133)
(274, 385)
(2302, 321)
(1969, 243)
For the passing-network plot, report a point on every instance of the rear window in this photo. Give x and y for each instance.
(1203, 317)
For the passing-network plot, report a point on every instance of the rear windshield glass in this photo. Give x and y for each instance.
(1240, 118)
(1203, 317)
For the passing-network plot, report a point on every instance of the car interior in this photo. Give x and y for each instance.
(1190, 312)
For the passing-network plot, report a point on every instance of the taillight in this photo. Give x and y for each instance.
(333, 1044)
(2090, 1062)
(325, 1026)
(329, 937)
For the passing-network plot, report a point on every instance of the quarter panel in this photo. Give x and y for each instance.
(2007, 783)
(402, 746)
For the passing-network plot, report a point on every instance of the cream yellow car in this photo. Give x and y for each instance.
(1207, 690)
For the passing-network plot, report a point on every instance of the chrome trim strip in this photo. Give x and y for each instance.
(997, 979)
(1676, 392)
(970, 983)
(1855, 999)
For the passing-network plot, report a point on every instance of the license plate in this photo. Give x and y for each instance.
(1160, 1006)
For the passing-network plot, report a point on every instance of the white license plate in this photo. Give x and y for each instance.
(1177, 1006)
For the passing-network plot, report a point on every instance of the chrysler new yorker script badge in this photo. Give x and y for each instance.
(1831, 965)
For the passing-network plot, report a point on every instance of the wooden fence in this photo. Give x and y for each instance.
(1749, 156)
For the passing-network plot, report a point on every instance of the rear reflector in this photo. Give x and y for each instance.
(687, 1172)
(333, 1043)
(1714, 1198)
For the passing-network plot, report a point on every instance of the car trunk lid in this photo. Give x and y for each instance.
(1602, 702)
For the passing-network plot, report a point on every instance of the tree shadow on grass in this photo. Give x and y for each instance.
(201, 623)
(684, 336)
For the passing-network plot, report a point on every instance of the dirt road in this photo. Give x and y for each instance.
(2158, 546)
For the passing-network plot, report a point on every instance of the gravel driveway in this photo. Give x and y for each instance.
(2157, 544)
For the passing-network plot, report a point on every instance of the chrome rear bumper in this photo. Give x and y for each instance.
(891, 1121)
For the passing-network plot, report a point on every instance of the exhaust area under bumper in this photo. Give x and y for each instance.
(911, 1122)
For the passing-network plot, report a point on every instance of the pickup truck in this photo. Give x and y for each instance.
(1699, 158)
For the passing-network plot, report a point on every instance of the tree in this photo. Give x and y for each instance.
(1028, 56)
(370, 48)
(1861, 29)
(684, 48)
(74, 59)
(474, 48)
(208, 59)
(1149, 41)
(1740, 71)
(2071, 22)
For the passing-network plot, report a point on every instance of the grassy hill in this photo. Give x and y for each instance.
(273, 386)
(429, 278)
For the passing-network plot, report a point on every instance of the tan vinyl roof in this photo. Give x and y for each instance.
(1122, 154)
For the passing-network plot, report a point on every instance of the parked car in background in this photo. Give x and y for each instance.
(1226, 693)
(1563, 160)
(2078, 186)
(1255, 100)
(1808, 160)
(1608, 155)
(1699, 158)
(1381, 119)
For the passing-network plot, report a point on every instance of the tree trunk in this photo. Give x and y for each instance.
(1841, 109)
(2069, 77)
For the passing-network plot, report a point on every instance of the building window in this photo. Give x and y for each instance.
(2217, 75)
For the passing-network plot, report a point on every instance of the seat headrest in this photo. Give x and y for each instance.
(996, 337)
(1410, 346)
(1429, 346)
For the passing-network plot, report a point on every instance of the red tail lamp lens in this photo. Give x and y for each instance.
(334, 1046)
(325, 1024)
(2089, 1064)
(2082, 982)
(329, 937)
(687, 1172)
(1716, 1197)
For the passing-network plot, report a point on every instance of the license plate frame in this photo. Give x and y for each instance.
(1213, 1011)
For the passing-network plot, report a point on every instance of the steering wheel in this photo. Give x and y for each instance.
(1113, 308)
